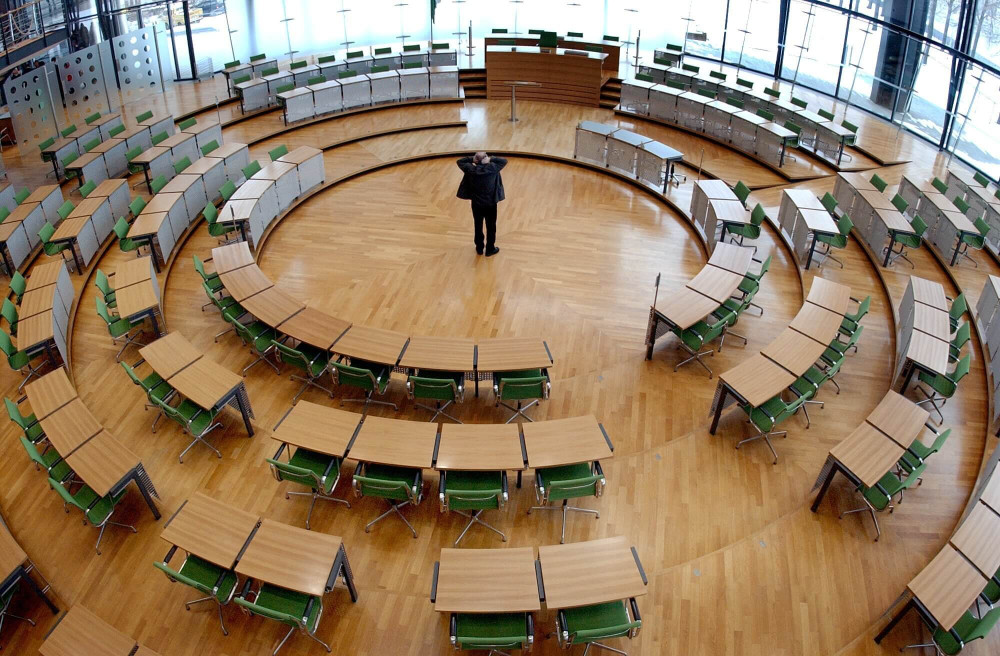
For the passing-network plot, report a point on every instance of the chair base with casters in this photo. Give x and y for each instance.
(203, 577)
(696, 356)
(307, 383)
(897, 255)
(398, 486)
(767, 440)
(301, 612)
(368, 400)
(316, 494)
(519, 386)
(933, 399)
(963, 251)
(474, 519)
(393, 508)
(201, 438)
(870, 509)
(518, 410)
(32, 371)
(589, 624)
(565, 508)
(438, 409)
(827, 254)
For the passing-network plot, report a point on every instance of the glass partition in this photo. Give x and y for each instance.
(752, 34)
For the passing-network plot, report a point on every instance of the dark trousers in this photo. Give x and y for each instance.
(487, 213)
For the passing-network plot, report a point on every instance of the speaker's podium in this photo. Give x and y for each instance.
(562, 75)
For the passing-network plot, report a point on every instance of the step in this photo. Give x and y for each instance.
(608, 104)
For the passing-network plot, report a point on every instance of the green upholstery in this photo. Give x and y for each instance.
(154, 386)
(317, 471)
(474, 491)
(236, 62)
(18, 285)
(269, 71)
(66, 161)
(93, 117)
(20, 196)
(159, 138)
(695, 337)
(853, 138)
(520, 386)
(117, 328)
(844, 226)
(741, 82)
(65, 210)
(68, 131)
(17, 360)
(216, 229)
(981, 179)
(227, 190)
(129, 156)
(275, 153)
(319, 79)
(49, 460)
(439, 386)
(9, 312)
(879, 496)
(50, 248)
(115, 131)
(690, 68)
(126, 243)
(608, 37)
(673, 84)
(96, 509)
(342, 74)
(849, 325)
(707, 93)
(209, 147)
(919, 452)
(28, 424)
(295, 609)
(735, 102)
(285, 87)
(588, 624)
(187, 123)
(943, 386)
(717, 75)
(958, 308)
(828, 115)
(145, 116)
(938, 184)
(792, 142)
(379, 69)
(798, 102)
(908, 241)
(742, 192)
(410, 47)
(250, 169)
(257, 336)
(46, 157)
(764, 114)
(961, 205)
(772, 92)
(182, 164)
(643, 77)
(310, 360)
(352, 54)
(900, 204)
(92, 144)
(371, 377)
(240, 80)
(968, 628)
(568, 482)
(492, 631)
(399, 486)
(87, 188)
(206, 578)
(195, 420)
(158, 183)
(767, 416)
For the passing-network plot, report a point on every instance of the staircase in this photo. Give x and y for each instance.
(611, 93)
(473, 82)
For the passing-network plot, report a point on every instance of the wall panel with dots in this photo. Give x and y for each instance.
(83, 82)
(29, 97)
(135, 56)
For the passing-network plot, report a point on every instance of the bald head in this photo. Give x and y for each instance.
(481, 158)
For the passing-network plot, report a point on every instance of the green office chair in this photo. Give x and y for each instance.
(313, 362)
(474, 491)
(9, 312)
(136, 207)
(943, 386)
(196, 422)
(974, 241)
(371, 377)
(209, 147)
(764, 114)
(21, 360)
(568, 482)
(399, 486)
(22, 195)
(805, 388)
(492, 631)
(18, 285)
(692, 339)
(958, 308)
(250, 169)
(49, 460)
(258, 337)
(918, 452)
(742, 192)
(145, 116)
(830, 205)
(520, 386)
(134, 169)
(938, 184)
(120, 329)
(748, 84)
(158, 183)
(907, 241)
(838, 349)
(68, 131)
(301, 612)
(879, 183)
(228, 308)
(96, 509)
(87, 188)
(126, 243)
(216, 229)
(879, 496)
(159, 138)
(962, 336)
(960, 205)
(187, 123)
(28, 424)
(155, 388)
(227, 190)
(317, 471)
(747, 230)
(52, 248)
(213, 280)
(644, 78)
(768, 415)
(981, 179)
(751, 282)
(438, 385)
(844, 225)
(115, 131)
(900, 204)
(269, 71)
(216, 583)
(320, 79)
(735, 102)
(828, 115)
(66, 161)
(851, 139)
(731, 310)
(46, 157)
(585, 625)
(92, 144)
(968, 628)
(182, 164)
(278, 152)
(849, 325)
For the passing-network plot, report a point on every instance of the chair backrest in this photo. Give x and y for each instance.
(379, 69)
(181, 165)
(326, 59)
(291, 85)
(958, 306)
(209, 147)
(137, 205)
(829, 203)
(68, 131)
(291, 356)
(131, 374)
(87, 188)
(241, 79)
(180, 578)
(764, 267)
(284, 471)
(772, 92)
(250, 169)
(742, 191)
(187, 123)
(982, 226)
(962, 335)
(443, 389)
(939, 184)
(45, 234)
(158, 183)
(743, 83)
(342, 74)
(67, 498)
(673, 84)
(661, 61)
(845, 225)
(199, 266)
(670, 46)
(763, 113)
(798, 102)
(518, 388)
(280, 151)
(962, 206)
(707, 93)
(735, 102)
(919, 225)
(758, 215)
(961, 369)
(102, 283)
(21, 195)
(15, 414)
(145, 116)
(717, 75)
(159, 137)
(643, 77)
(477, 494)
(115, 131)
(384, 488)
(132, 154)
(354, 376)
(211, 214)
(102, 310)
(900, 203)
(121, 228)
(269, 71)
(850, 126)
(690, 68)
(981, 179)
(6, 345)
(69, 159)
(45, 144)
(92, 144)
(227, 190)
(18, 284)
(793, 128)
(579, 35)
(608, 37)
(573, 488)
(828, 115)
(4, 213)
(255, 58)
(320, 79)
(33, 453)
(270, 613)
(236, 62)
(65, 209)
(9, 312)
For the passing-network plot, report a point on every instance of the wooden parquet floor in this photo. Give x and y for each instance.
(737, 563)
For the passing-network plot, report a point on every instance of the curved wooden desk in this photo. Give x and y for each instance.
(570, 76)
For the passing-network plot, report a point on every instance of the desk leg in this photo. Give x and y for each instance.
(145, 494)
(8, 261)
(145, 173)
(519, 473)
(243, 411)
(513, 105)
(718, 409)
(834, 468)
(894, 621)
(888, 250)
(342, 567)
(38, 591)
(906, 381)
(77, 259)
(156, 326)
(477, 385)
(954, 255)
(243, 231)
(812, 249)
(781, 157)
(55, 167)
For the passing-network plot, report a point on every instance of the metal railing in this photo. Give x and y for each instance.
(22, 24)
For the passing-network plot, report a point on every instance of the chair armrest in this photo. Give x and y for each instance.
(329, 468)
(418, 485)
(354, 481)
(504, 487)
(170, 554)
(246, 590)
(434, 588)
(283, 417)
(308, 610)
(218, 582)
(441, 486)
(530, 631)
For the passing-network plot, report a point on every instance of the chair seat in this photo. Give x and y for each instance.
(206, 574)
(910, 241)
(596, 620)
(317, 463)
(380, 371)
(123, 326)
(486, 630)
(60, 471)
(100, 510)
(288, 602)
(761, 416)
(390, 476)
(478, 490)
(19, 360)
(52, 248)
(189, 409)
(565, 472)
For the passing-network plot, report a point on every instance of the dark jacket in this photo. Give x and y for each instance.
(482, 183)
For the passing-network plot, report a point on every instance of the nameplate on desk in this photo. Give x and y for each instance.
(580, 53)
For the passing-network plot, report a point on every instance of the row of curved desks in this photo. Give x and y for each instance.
(923, 337)
(764, 375)
(15, 566)
(43, 316)
(19, 230)
(80, 631)
(246, 283)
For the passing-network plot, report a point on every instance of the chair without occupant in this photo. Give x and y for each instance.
(568, 482)
(28, 424)
(217, 584)
(943, 387)
(317, 471)
(440, 386)
(907, 241)
(879, 496)
(588, 624)
(492, 631)
(21, 360)
(196, 421)
(299, 611)
(311, 361)
(400, 486)
(119, 329)
(96, 509)
(768, 415)
(967, 629)
(844, 226)
(371, 377)
(474, 491)
(520, 386)
(155, 387)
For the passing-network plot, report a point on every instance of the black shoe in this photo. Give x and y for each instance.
(493, 251)
(479, 251)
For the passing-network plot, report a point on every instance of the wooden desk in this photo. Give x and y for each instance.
(40, 194)
(148, 155)
(318, 428)
(977, 539)
(133, 271)
(715, 283)
(876, 199)
(685, 307)
(561, 76)
(395, 442)
(372, 344)
(245, 282)
(206, 383)
(947, 587)
(69, 427)
(793, 351)
(169, 354)
(830, 295)
(37, 301)
(487, 581)
(729, 211)
(290, 557)
(928, 352)
(512, 354)
(272, 306)
(568, 441)
(586, 573)
(102, 462)
(35, 331)
(49, 393)
(456, 354)
(43, 274)
(162, 202)
(756, 379)
(210, 529)
(232, 256)
(252, 189)
(899, 418)
(479, 447)
(139, 299)
(12, 555)
(816, 322)
(315, 328)
(867, 454)
(932, 321)
(991, 493)
(929, 292)
(731, 258)
(80, 632)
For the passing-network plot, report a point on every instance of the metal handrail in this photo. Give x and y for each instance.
(21, 24)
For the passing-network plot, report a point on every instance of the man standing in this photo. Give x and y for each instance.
(483, 185)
